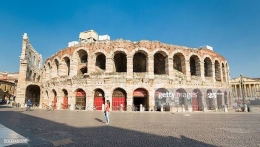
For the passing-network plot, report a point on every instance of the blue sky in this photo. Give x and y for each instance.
(232, 27)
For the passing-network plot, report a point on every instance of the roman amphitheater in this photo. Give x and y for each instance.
(134, 76)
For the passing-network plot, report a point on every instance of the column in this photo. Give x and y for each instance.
(250, 90)
(240, 91)
(150, 67)
(202, 72)
(109, 63)
(187, 64)
(170, 68)
(235, 91)
(213, 72)
(129, 67)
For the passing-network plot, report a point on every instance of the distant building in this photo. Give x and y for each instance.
(250, 88)
(6, 89)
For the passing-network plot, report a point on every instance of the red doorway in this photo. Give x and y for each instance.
(65, 102)
(119, 100)
(99, 99)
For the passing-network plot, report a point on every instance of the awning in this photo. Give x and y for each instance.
(140, 93)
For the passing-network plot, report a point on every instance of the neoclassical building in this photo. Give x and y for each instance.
(249, 88)
(132, 75)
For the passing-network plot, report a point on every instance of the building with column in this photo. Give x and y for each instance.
(132, 75)
(250, 88)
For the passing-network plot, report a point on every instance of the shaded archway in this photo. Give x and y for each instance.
(160, 63)
(226, 98)
(219, 99)
(100, 61)
(139, 62)
(54, 101)
(33, 93)
(179, 63)
(197, 104)
(57, 64)
(99, 99)
(120, 62)
(224, 73)
(182, 98)
(80, 97)
(119, 99)
(162, 97)
(207, 67)
(210, 98)
(140, 96)
(195, 66)
(67, 62)
(217, 71)
(82, 62)
(65, 99)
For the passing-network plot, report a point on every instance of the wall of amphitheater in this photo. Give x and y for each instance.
(132, 73)
(132, 70)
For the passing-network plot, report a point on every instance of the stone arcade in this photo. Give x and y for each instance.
(129, 74)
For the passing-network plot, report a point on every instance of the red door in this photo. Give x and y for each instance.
(54, 102)
(195, 105)
(117, 102)
(98, 101)
(65, 103)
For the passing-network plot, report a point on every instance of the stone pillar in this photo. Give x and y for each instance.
(73, 68)
(213, 72)
(240, 91)
(109, 63)
(187, 64)
(91, 63)
(129, 99)
(130, 67)
(161, 107)
(183, 108)
(221, 73)
(141, 108)
(151, 100)
(150, 66)
(202, 70)
(235, 91)
(170, 68)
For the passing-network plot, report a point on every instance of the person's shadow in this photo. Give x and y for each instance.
(99, 120)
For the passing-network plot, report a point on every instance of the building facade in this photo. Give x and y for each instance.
(249, 88)
(132, 75)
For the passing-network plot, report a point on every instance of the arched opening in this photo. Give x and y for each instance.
(162, 98)
(119, 99)
(223, 73)
(65, 99)
(54, 101)
(49, 71)
(80, 99)
(33, 93)
(219, 99)
(57, 67)
(210, 98)
(101, 61)
(182, 98)
(160, 63)
(120, 62)
(179, 63)
(67, 62)
(140, 96)
(197, 100)
(226, 98)
(99, 99)
(217, 71)
(139, 62)
(194, 66)
(82, 61)
(207, 67)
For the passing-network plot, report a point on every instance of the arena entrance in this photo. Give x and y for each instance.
(197, 100)
(54, 101)
(80, 99)
(65, 99)
(210, 98)
(219, 99)
(160, 99)
(140, 96)
(183, 98)
(99, 99)
(33, 93)
(119, 99)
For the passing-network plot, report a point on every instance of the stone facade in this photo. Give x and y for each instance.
(250, 88)
(126, 73)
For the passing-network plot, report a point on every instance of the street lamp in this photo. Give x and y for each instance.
(241, 82)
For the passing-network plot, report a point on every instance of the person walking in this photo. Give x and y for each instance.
(107, 111)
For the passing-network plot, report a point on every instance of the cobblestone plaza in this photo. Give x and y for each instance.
(88, 128)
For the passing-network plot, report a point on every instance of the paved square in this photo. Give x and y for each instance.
(85, 128)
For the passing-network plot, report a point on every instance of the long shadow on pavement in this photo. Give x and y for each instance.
(43, 132)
